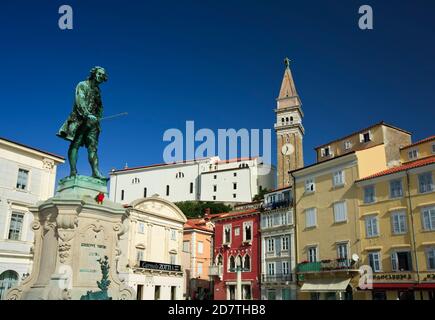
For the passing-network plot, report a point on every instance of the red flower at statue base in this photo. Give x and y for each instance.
(99, 198)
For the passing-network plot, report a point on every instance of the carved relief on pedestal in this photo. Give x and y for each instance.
(66, 224)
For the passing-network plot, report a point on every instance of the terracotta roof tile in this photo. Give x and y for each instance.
(419, 142)
(406, 166)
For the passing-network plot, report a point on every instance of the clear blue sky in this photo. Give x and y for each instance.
(218, 63)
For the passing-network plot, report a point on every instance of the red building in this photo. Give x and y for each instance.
(237, 244)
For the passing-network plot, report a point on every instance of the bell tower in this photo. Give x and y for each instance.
(289, 129)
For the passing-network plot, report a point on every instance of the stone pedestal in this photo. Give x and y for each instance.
(72, 231)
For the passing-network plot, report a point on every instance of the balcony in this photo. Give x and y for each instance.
(215, 270)
(267, 278)
(327, 265)
(277, 205)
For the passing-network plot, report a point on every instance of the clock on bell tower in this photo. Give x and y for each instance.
(289, 129)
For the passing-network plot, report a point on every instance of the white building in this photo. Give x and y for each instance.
(208, 179)
(278, 281)
(151, 249)
(27, 175)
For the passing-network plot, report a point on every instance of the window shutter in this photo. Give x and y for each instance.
(370, 135)
(394, 266)
(361, 137)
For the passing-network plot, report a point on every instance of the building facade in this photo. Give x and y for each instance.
(27, 175)
(208, 179)
(236, 268)
(278, 280)
(289, 129)
(198, 257)
(151, 250)
(397, 224)
(328, 239)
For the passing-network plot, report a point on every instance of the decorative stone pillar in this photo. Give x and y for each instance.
(72, 231)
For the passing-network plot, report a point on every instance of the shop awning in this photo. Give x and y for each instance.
(325, 285)
(425, 286)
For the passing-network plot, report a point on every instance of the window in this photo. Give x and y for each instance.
(347, 145)
(167, 190)
(220, 260)
(186, 246)
(22, 180)
(246, 290)
(425, 182)
(310, 218)
(214, 197)
(141, 227)
(342, 250)
(173, 292)
(237, 231)
(401, 261)
(235, 174)
(428, 217)
(375, 261)
(173, 258)
(338, 178)
(191, 187)
(396, 188)
(413, 154)
(157, 293)
(271, 268)
(369, 194)
(232, 264)
(235, 185)
(430, 254)
(433, 148)
(139, 256)
(340, 211)
(365, 137)
(398, 220)
(227, 234)
(284, 218)
(234, 195)
(270, 245)
(312, 254)
(144, 192)
(247, 263)
(173, 234)
(247, 228)
(199, 265)
(285, 243)
(285, 267)
(16, 226)
(200, 247)
(291, 119)
(135, 181)
(8, 279)
(215, 177)
(214, 188)
(325, 152)
(372, 226)
(122, 194)
(271, 294)
(269, 221)
(309, 185)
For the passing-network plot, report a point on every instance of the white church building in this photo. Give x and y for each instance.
(208, 179)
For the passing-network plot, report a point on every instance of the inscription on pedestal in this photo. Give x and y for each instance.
(89, 268)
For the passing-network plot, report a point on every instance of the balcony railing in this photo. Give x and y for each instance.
(326, 265)
(215, 270)
(276, 277)
(277, 205)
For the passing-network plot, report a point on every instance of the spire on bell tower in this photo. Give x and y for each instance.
(289, 128)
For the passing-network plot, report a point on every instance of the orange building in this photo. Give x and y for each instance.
(197, 255)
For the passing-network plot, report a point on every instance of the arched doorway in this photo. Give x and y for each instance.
(8, 279)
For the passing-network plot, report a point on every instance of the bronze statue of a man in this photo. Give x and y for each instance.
(82, 127)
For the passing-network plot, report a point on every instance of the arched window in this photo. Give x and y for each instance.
(8, 279)
(232, 262)
(286, 119)
(219, 260)
(282, 120)
(135, 181)
(247, 263)
(291, 119)
(239, 261)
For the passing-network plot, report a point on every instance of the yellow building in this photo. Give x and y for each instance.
(397, 224)
(328, 233)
